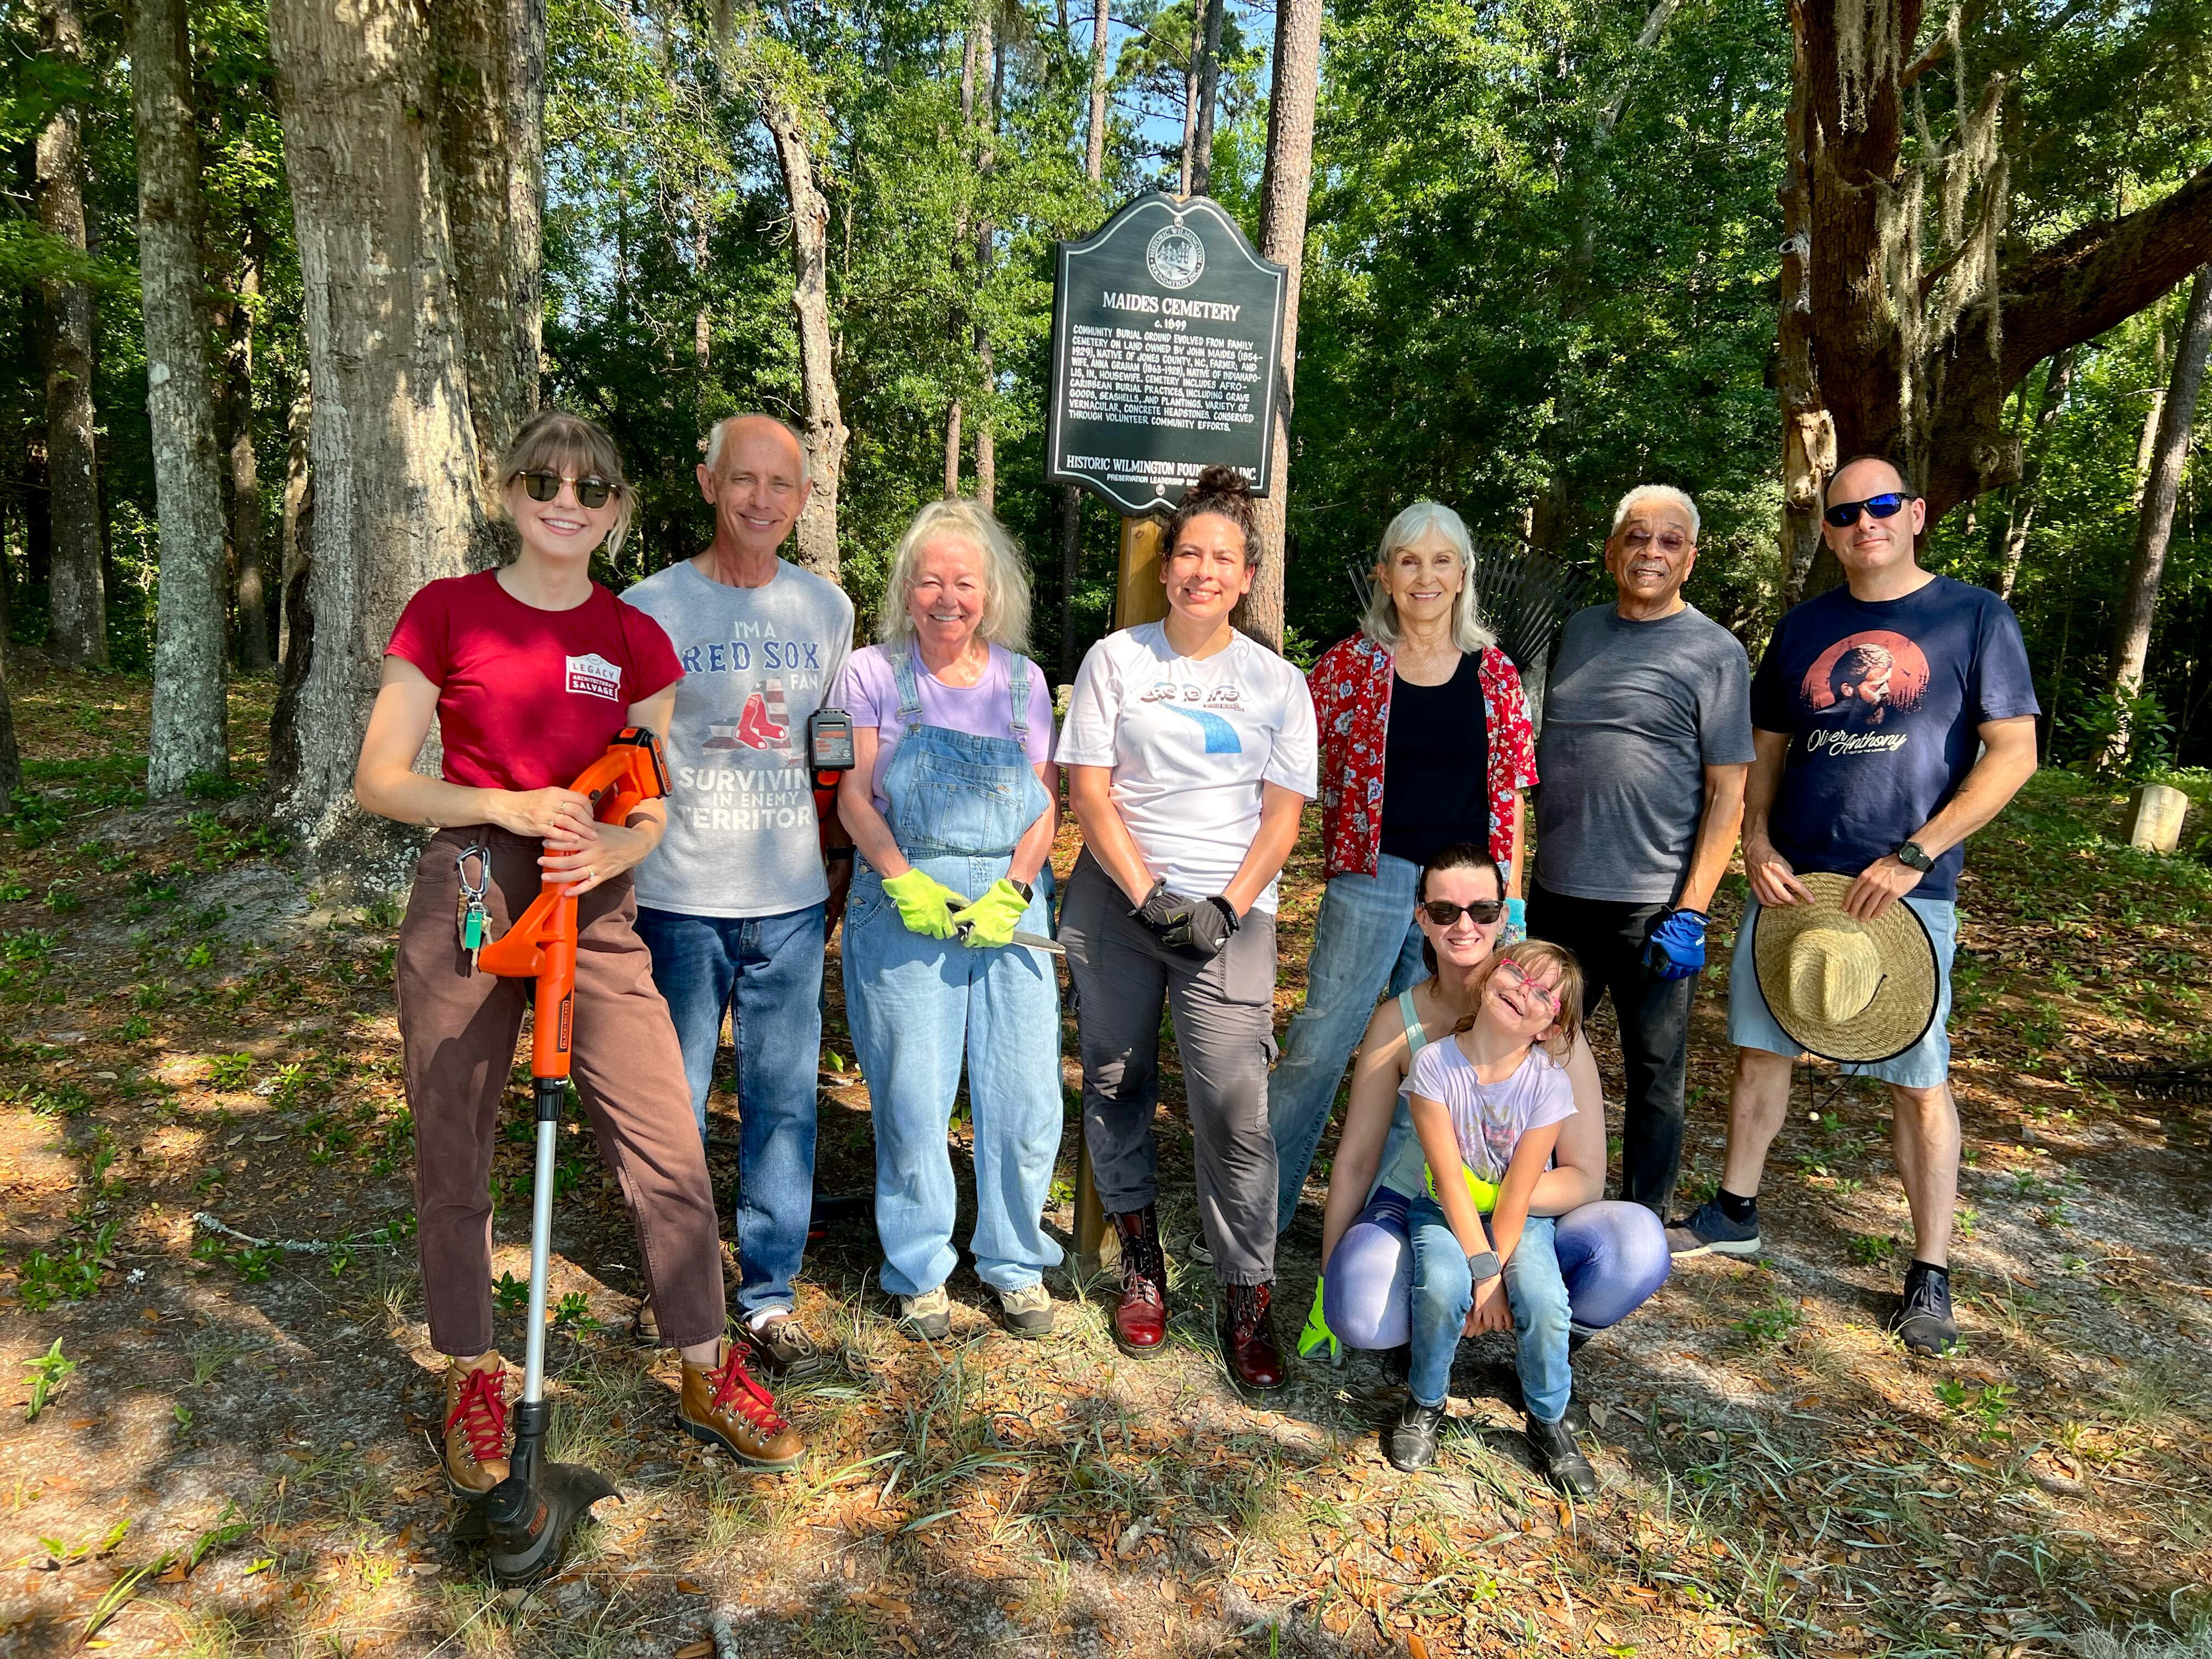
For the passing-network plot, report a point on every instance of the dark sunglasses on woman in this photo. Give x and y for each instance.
(1844, 515)
(1444, 913)
(546, 486)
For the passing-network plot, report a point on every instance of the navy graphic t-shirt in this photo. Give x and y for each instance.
(1883, 701)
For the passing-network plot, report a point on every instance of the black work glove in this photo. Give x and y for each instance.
(1163, 912)
(1209, 927)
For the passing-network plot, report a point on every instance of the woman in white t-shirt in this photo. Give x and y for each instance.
(1189, 750)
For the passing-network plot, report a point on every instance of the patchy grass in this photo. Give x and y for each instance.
(241, 1462)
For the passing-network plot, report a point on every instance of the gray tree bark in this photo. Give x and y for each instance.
(490, 135)
(1071, 501)
(2155, 523)
(994, 52)
(1094, 163)
(2008, 535)
(77, 635)
(822, 421)
(392, 457)
(1190, 95)
(1286, 186)
(191, 723)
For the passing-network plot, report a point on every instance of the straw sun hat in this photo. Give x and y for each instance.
(1859, 992)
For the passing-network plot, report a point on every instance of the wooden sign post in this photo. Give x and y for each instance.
(1166, 329)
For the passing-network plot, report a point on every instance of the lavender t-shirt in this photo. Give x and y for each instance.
(866, 691)
(1489, 1119)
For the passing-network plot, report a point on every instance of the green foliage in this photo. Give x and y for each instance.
(48, 1372)
(75, 1275)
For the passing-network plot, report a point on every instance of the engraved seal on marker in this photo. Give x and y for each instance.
(1176, 257)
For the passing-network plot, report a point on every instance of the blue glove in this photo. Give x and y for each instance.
(1676, 948)
(1516, 921)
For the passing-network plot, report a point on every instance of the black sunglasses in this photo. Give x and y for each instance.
(546, 486)
(1444, 913)
(1844, 515)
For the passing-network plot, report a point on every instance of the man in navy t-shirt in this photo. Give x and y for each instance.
(1892, 718)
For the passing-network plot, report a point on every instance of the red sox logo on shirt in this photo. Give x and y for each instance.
(594, 676)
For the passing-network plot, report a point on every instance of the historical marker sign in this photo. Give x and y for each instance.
(1166, 329)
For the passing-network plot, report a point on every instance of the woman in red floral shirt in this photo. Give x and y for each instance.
(1424, 742)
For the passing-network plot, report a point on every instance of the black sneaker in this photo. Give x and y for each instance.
(1410, 1443)
(1560, 1459)
(786, 1351)
(1708, 1228)
(1924, 1321)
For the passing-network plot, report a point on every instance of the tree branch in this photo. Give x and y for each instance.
(2082, 284)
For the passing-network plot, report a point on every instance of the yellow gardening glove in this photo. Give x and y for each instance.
(1484, 1192)
(924, 903)
(991, 919)
(1317, 1334)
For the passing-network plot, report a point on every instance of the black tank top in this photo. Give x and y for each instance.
(1436, 766)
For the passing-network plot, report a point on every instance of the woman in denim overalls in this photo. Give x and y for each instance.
(954, 838)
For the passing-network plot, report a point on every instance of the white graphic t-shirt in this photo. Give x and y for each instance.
(743, 839)
(1190, 742)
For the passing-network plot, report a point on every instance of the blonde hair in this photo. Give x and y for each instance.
(1005, 581)
(554, 440)
(1532, 956)
(1380, 624)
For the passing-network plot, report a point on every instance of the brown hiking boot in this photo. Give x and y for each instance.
(1247, 1333)
(475, 1426)
(725, 1407)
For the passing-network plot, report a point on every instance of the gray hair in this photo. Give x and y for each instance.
(715, 433)
(1380, 624)
(1666, 493)
(1006, 580)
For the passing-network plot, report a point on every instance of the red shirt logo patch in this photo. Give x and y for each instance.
(595, 676)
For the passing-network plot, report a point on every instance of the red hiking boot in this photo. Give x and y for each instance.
(1140, 1318)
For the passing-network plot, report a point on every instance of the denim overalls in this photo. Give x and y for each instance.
(957, 805)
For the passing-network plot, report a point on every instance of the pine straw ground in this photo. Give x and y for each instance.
(238, 1464)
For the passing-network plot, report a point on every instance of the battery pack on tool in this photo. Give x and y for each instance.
(829, 738)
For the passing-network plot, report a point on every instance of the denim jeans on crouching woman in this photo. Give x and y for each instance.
(766, 972)
(1366, 946)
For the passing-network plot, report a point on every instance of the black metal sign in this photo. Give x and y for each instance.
(1166, 329)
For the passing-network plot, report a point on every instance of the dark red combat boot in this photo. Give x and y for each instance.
(1140, 1318)
(1247, 1330)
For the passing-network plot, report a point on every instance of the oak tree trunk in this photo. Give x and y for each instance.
(490, 139)
(1286, 184)
(77, 605)
(2008, 535)
(190, 726)
(393, 456)
(2147, 445)
(822, 421)
(2155, 523)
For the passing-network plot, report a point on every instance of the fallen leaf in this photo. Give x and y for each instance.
(1416, 1648)
(696, 1650)
(689, 1588)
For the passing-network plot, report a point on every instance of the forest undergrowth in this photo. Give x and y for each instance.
(217, 1399)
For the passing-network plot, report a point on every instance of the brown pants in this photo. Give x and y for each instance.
(459, 1027)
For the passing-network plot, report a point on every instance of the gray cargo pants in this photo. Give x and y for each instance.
(1223, 1012)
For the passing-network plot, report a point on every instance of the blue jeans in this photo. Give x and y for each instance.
(917, 1006)
(1365, 946)
(1443, 1293)
(767, 972)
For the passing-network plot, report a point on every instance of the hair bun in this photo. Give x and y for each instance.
(1222, 481)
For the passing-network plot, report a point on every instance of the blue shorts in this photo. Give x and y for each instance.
(1924, 1066)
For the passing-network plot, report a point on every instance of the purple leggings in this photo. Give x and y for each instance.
(1613, 1256)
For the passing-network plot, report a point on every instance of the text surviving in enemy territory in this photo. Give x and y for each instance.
(1137, 377)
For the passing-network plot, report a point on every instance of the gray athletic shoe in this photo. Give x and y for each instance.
(1709, 1229)
(1027, 1311)
(928, 1316)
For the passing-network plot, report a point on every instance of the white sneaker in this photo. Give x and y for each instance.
(1027, 1311)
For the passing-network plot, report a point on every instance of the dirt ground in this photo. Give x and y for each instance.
(217, 1398)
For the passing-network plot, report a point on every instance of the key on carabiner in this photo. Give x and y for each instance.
(473, 920)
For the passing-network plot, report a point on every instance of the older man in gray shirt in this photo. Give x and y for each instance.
(734, 903)
(1645, 745)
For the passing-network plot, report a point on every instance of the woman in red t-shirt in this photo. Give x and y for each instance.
(532, 670)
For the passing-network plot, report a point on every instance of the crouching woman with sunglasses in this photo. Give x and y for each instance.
(532, 670)
(1583, 1261)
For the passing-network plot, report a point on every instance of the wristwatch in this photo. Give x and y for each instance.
(1483, 1265)
(1912, 858)
(1024, 888)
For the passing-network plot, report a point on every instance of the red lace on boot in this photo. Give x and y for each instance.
(735, 1389)
(481, 1412)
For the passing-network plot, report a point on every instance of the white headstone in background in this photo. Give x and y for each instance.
(2155, 814)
